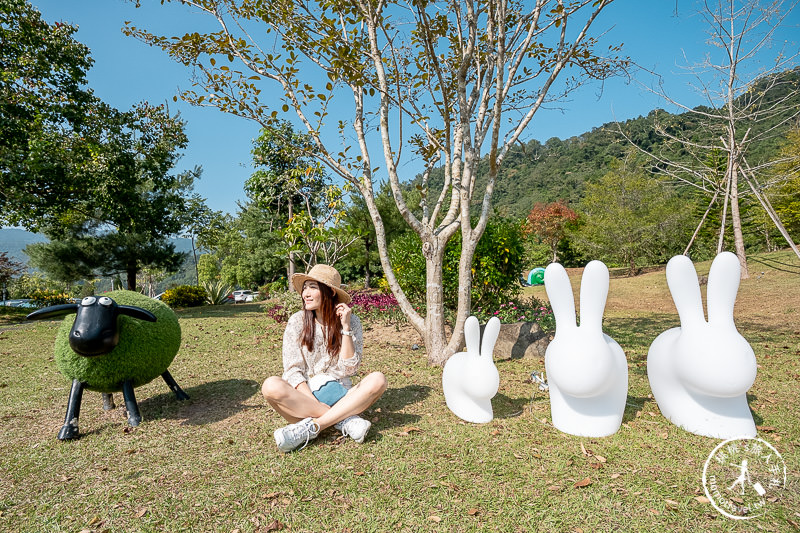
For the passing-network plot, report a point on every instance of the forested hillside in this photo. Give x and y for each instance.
(558, 169)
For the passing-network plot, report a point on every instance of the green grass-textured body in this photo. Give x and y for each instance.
(144, 352)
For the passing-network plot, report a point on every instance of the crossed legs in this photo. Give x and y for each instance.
(296, 404)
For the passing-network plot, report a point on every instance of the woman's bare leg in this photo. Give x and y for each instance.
(292, 404)
(357, 399)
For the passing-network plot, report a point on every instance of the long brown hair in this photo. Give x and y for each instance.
(325, 315)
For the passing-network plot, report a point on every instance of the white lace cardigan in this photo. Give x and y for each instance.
(299, 364)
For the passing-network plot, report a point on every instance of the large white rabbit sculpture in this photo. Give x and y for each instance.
(700, 372)
(586, 369)
(469, 379)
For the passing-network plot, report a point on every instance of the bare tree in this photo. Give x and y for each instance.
(747, 94)
(438, 83)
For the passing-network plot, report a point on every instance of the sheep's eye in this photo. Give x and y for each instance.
(106, 301)
(89, 300)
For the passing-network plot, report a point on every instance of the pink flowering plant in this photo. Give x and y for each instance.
(520, 310)
(377, 306)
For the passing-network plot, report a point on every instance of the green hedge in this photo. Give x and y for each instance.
(184, 296)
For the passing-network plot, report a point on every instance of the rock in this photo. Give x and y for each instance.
(520, 339)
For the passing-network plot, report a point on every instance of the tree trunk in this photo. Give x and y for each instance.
(434, 335)
(291, 268)
(367, 273)
(736, 221)
(131, 272)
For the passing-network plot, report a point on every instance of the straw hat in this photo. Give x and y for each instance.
(326, 275)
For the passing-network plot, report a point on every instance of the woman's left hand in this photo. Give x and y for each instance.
(343, 312)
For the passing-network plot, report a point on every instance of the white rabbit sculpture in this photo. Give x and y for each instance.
(700, 372)
(469, 379)
(586, 370)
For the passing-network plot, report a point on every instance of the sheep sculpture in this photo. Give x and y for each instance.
(114, 343)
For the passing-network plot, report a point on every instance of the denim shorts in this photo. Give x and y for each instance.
(330, 393)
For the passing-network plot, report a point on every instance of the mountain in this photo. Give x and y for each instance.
(14, 240)
(559, 169)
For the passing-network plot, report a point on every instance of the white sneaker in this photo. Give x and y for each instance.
(291, 437)
(354, 427)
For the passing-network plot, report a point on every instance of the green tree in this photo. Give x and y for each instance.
(43, 110)
(136, 204)
(446, 83)
(630, 217)
(289, 179)
(360, 223)
(785, 192)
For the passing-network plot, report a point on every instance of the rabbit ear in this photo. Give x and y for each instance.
(685, 289)
(559, 292)
(490, 333)
(594, 291)
(472, 336)
(723, 284)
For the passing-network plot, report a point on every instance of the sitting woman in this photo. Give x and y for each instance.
(322, 348)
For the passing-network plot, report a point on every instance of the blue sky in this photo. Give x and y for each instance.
(127, 71)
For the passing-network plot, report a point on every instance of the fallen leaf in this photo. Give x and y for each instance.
(434, 518)
(672, 504)
(359, 473)
(583, 450)
(765, 429)
(615, 476)
(518, 456)
(141, 512)
(702, 499)
(270, 495)
(585, 482)
(275, 526)
(596, 466)
(600, 458)
(653, 511)
(554, 488)
(94, 521)
(472, 512)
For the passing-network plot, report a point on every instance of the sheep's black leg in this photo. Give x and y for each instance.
(173, 385)
(130, 403)
(108, 401)
(70, 428)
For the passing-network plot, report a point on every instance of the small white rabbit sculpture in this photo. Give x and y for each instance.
(469, 379)
(586, 370)
(700, 372)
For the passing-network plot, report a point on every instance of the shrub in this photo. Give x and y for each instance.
(282, 305)
(376, 306)
(273, 287)
(520, 310)
(47, 297)
(184, 296)
(216, 292)
(496, 266)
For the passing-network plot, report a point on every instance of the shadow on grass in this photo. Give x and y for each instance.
(633, 404)
(395, 399)
(506, 407)
(208, 403)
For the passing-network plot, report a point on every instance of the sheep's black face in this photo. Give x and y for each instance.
(95, 329)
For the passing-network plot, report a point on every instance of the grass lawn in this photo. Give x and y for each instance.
(210, 464)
